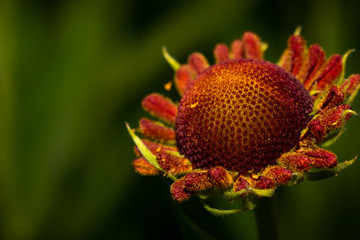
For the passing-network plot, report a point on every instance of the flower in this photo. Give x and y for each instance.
(245, 126)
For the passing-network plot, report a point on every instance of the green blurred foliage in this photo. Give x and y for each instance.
(71, 74)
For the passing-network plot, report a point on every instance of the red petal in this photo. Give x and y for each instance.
(321, 158)
(156, 131)
(330, 72)
(198, 62)
(183, 78)
(329, 120)
(297, 48)
(262, 183)
(173, 164)
(197, 181)
(334, 98)
(161, 107)
(351, 84)
(279, 174)
(179, 192)
(237, 49)
(221, 53)
(315, 60)
(295, 161)
(143, 167)
(240, 184)
(252, 46)
(220, 177)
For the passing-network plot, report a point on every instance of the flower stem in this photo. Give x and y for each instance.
(267, 219)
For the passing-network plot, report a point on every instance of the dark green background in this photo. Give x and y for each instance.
(71, 74)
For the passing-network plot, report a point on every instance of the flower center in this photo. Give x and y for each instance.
(242, 115)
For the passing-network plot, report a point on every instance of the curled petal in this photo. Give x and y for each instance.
(297, 48)
(178, 191)
(143, 167)
(278, 174)
(314, 61)
(284, 61)
(262, 182)
(237, 49)
(240, 184)
(331, 71)
(160, 106)
(197, 181)
(337, 116)
(155, 130)
(334, 98)
(295, 161)
(198, 62)
(183, 78)
(317, 129)
(219, 177)
(252, 46)
(321, 158)
(221, 53)
(173, 164)
(351, 86)
(329, 120)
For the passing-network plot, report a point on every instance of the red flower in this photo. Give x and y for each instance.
(244, 126)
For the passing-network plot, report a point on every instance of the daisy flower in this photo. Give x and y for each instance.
(244, 126)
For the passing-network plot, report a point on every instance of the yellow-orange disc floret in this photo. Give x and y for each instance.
(242, 115)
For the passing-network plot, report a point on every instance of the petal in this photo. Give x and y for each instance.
(221, 53)
(334, 98)
(278, 174)
(197, 181)
(315, 60)
(262, 182)
(351, 85)
(329, 120)
(198, 62)
(321, 158)
(156, 130)
(160, 106)
(295, 161)
(173, 164)
(331, 71)
(252, 46)
(219, 177)
(284, 61)
(143, 167)
(237, 49)
(240, 184)
(297, 48)
(293, 57)
(178, 191)
(183, 78)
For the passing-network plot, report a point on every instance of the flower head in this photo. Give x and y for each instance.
(245, 126)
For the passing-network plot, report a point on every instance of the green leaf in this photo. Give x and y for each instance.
(234, 195)
(173, 63)
(147, 154)
(221, 212)
(263, 192)
(342, 75)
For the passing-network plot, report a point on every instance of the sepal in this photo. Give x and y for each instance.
(146, 153)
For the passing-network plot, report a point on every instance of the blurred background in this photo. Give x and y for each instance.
(72, 73)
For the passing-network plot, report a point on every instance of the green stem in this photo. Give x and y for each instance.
(267, 219)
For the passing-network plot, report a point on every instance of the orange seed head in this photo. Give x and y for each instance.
(241, 115)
